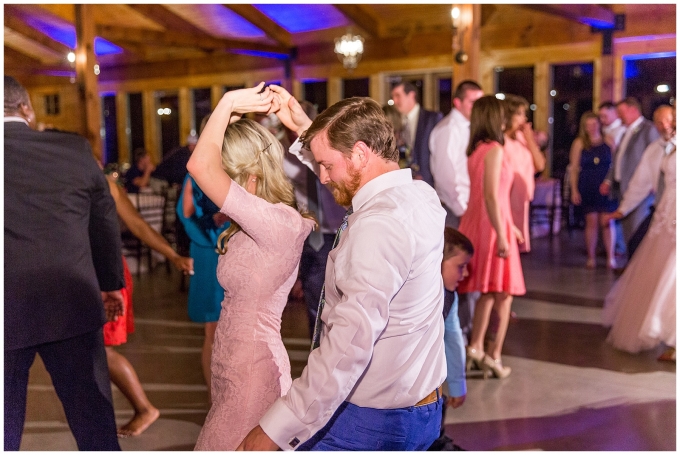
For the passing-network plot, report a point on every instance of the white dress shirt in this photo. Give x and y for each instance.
(615, 131)
(646, 177)
(12, 118)
(412, 124)
(448, 161)
(382, 340)
(622, 146)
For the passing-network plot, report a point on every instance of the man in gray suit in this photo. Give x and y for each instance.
(640, 132)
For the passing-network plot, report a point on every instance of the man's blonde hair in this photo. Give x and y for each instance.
(249, 149)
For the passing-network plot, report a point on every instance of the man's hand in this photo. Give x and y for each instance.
(605, 188)
(290, 112)
(114, 305)
(455, 402)
(258, 441)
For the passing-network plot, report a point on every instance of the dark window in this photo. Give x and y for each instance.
(136, 122)
(316, 93)
(572, 97)
(355, 87)
(517, 81)
(110, 129)
(168, 111)
(202, 106)
(444, 95)
(52, 104)
(651, 81)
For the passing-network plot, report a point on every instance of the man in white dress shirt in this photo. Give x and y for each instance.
(374, 383)
(448, 160)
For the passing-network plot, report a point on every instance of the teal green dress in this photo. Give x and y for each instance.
(205, 293)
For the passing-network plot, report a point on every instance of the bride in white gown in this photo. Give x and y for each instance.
(640, 307)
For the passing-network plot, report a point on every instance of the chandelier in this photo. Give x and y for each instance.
(349, 49)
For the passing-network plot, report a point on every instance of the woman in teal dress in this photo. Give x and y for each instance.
(203, 223)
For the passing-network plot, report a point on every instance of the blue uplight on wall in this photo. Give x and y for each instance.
(66, 35)
(296, 18)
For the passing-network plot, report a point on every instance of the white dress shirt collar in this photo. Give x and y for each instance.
(458, 117)
(13, 118)
(635, 124)
(612, 126)
(380, 183)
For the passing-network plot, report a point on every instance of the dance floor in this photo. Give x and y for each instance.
(569, 390)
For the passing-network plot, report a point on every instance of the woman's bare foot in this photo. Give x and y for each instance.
(139, 422)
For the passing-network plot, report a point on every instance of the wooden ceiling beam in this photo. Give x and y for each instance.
(166, 18)
(16, 60)
(145, 36)
(363, 17)
(15, 19)
(263, 22)
(593, 15)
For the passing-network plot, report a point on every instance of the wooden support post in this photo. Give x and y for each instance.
(86, 77)
(376, 88)
(469, 33)
(186, 116)
(151, 125)
(606, 82)
(334, 90)
(216, 92)
(543, 102)
(123, 127)
(297, 89)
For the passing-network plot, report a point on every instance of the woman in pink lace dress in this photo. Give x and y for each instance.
(495, 267)
(239, 166)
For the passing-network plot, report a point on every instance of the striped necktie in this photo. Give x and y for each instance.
(316, 339)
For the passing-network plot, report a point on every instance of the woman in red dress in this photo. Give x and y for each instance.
(495, 267)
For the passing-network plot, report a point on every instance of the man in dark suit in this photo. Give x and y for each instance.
(419, 124)
(62, 261)
(639, 133)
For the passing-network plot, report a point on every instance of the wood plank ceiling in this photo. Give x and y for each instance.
(38, 37)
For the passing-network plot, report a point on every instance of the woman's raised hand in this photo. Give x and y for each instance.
(289, 111)
(253, 99)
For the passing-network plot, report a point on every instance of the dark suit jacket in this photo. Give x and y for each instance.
(62, 238)
(421, 147)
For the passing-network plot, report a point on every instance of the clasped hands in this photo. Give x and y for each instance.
(267, 100)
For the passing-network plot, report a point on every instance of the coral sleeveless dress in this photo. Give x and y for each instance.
(488, 271)
(250, 365)
(116, 332)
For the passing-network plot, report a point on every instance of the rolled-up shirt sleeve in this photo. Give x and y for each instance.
(363, 290)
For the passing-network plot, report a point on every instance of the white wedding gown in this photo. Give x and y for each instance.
(640, 307)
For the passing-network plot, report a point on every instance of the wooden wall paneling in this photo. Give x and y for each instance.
(429, 90)
(334, 90)
(86, 78)
(151, 125)
(563, 53)
(123, 126)
(186, 113)
(69, 117)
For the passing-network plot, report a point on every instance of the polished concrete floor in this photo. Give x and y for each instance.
(569, 390)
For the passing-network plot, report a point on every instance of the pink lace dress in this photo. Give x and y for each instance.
(488, 271)
(250, 365)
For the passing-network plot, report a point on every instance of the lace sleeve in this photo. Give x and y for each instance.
(267, 224)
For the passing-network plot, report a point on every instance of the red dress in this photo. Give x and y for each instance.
(116, 332)
(488, 271)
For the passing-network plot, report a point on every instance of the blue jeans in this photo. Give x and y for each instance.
(356, 428)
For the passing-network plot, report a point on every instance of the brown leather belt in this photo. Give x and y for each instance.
(432, 397)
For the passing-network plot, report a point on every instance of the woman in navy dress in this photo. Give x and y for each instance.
(590, 158)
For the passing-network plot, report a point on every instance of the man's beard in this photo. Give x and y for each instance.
(344, 192)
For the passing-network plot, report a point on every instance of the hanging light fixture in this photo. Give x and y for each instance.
(349, 49)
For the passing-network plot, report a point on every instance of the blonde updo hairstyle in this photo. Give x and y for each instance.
(249, 149)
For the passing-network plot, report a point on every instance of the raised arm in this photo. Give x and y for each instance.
(205, 164)
(575, 170)
(289, 111)
(537, 156)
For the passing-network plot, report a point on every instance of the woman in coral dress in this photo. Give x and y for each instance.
(527, 159)
(640, 308)
(258, 266)
(495, 267)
